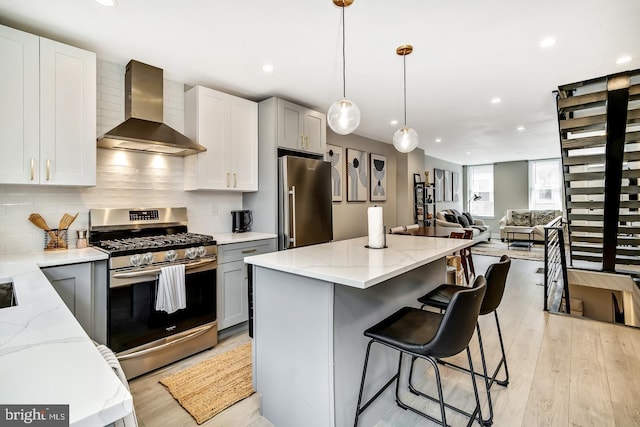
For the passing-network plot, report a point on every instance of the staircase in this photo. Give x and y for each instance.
(599, 124)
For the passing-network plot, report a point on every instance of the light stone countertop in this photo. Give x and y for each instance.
(350, 263)
(45, 355)
(249, 236)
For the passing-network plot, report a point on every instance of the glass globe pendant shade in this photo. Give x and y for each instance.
(343, 117)
(405, 139)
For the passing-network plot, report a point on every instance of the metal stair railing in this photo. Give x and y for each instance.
(555, 262)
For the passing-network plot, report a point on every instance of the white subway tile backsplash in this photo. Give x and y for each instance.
(124, 179)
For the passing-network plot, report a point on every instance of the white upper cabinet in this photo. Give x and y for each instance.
(67, 115)
(47, 111)
(228, 127)
(300, 128)
(19, 107)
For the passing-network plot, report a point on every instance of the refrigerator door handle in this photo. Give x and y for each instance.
(292, 236)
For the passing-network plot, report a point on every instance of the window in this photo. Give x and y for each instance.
(480, 183)
(545, 184)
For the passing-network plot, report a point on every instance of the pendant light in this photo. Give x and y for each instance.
(405, 139)
(343, 115)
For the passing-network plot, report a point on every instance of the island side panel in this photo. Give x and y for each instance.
(355, 310)
(293, 348)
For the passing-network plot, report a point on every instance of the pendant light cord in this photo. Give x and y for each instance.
(404, 68)
(344, 65)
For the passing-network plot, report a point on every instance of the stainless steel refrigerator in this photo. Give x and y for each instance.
(304, 195)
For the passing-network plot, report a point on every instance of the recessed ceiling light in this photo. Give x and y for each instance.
(438, 140)
(520, 128)
(548, 42)
(267, 68)
(623, 59)
(468, 152)
(496, 100)
(108, 3)
(394, 122)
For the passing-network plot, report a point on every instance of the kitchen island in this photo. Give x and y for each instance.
(312, 305)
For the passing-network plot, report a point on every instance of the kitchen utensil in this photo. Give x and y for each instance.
(63, 226)
(39, 222)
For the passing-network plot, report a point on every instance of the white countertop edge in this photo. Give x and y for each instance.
(268, 261)
(249, 236)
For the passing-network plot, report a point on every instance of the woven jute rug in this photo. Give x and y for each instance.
(210, 387)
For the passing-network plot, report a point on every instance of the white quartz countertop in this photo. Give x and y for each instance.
(249, 236)
(349, 262)
(45, 355)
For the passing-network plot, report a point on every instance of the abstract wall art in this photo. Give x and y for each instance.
(378, 178)
(357, 175)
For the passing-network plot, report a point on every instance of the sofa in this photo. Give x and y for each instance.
(449, 220)
(527, 218)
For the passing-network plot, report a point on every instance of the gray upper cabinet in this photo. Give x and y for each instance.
(300, 128)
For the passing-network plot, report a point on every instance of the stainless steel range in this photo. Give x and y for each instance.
(140, 244)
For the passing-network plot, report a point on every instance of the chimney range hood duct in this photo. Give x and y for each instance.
(143, 129)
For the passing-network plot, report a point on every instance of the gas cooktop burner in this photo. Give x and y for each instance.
(159, 241)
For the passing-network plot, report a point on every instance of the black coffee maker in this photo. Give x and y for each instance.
(241, 221)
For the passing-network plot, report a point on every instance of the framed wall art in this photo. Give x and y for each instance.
(455, 183)
(448, 188)
(334, 155)
(438, 182)
(378, 177)
(357, 175)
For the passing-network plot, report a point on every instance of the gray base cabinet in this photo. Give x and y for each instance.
(82, 287)
(233, 282)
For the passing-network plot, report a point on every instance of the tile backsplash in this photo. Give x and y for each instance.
(124, 179)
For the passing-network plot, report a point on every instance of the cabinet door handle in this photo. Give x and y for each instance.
(227, 179)
(235, 180)
(306, 140)
(249, 251)
(302, 141)
(32, 169)
(48, 169)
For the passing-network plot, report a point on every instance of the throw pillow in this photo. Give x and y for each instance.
(455, 212)
(463, 221)
(521, 218)
(542, 217)
(469, 218)
(451, 218)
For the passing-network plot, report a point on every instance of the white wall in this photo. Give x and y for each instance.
(124, 179)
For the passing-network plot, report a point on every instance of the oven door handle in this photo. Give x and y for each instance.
(199, 331)
(156, 271)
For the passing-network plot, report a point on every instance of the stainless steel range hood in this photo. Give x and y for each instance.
(143, 128)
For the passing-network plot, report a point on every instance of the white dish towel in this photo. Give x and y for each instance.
(171, 295)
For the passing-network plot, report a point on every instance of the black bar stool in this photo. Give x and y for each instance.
(429, 336)
(441, 298)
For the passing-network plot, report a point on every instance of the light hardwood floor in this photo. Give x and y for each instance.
(565, 371)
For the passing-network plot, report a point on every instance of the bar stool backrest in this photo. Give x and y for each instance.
(496, 277)
(458, 322)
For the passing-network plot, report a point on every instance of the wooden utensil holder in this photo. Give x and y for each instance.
(56, 239)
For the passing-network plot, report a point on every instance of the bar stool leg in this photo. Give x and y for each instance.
(487, 385)
(504, 382)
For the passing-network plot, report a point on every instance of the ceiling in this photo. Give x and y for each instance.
(466, 53)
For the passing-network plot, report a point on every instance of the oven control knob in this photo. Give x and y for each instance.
(171, 255)
(190, 253)
(135, 260)
(147, 258)
(202, 251)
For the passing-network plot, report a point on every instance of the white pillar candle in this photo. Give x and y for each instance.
(376, 229)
